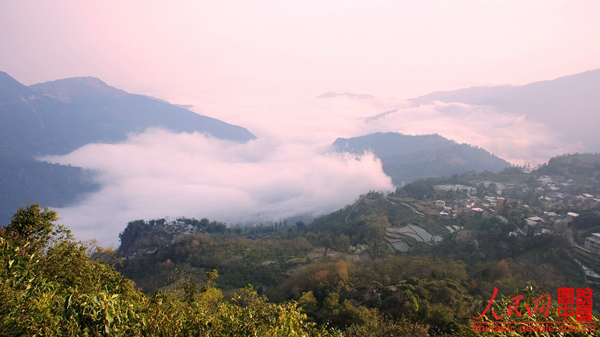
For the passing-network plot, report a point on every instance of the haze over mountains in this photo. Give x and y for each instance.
(569, 105)
(522, 124)
(123, 168)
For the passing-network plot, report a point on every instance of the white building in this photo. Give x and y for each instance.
(592, 243)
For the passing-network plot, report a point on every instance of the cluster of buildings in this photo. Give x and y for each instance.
(473, 205)
(556, 193)
(483, 201)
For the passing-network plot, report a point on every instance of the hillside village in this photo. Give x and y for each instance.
(548, 204)
(486, 204)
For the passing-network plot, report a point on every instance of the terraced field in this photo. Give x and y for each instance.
(413, 222)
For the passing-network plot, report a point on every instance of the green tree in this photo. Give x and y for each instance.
(32, 223)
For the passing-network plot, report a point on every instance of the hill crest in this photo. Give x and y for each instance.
(406, 158)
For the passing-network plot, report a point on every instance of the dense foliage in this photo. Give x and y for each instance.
(50, 285)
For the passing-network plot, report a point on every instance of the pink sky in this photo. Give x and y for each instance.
(260, 64)
(198, 49)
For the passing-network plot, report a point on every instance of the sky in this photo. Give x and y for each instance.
(262, 65)
(386, 48)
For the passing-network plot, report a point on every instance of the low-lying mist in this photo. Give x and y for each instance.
(159, 173)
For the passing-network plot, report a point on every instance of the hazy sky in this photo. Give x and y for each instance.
(197, 49)
(262, 64)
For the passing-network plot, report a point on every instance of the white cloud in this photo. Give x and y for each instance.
(158, 173)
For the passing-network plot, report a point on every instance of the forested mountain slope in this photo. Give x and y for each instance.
(406, 158)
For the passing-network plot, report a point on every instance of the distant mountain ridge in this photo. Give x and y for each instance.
(569, 104)
(569, 165)
(60, 116)
(406, 158)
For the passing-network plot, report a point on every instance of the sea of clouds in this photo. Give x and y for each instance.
(159, 173)
(289, 170)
